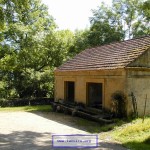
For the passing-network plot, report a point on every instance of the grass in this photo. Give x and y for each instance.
(43, 108)
(134, 135)
(89, 126)
(94, 127)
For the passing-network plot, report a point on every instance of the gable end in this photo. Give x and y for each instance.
(142, 61)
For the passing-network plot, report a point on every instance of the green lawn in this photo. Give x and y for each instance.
(134, 135)
(95, 127)
(45, 108)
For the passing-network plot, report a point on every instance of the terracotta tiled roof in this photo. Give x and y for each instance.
(111, 56)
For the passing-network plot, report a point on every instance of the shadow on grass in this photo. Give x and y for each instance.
(145, 145)
(41, 108)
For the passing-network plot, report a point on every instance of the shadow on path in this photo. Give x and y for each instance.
(27, 140)
(75, 122)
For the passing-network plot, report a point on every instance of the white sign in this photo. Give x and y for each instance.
(62, 141)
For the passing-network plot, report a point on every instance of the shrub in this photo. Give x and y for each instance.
(147, 141)
(119, 104)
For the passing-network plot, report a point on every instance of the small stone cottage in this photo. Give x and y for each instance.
(93, 75)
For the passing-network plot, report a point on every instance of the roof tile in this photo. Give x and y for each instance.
(110, 56)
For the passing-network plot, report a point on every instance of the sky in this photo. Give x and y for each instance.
(72, 14)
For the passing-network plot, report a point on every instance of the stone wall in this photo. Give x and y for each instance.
(139, 84)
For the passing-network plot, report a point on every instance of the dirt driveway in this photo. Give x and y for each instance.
(33, 131)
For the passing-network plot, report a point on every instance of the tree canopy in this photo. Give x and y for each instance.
(31, 47)
(124, 19)
(22, 55)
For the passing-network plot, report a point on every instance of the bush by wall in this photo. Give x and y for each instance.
(119, 104)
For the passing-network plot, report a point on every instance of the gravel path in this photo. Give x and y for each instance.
(33, 131)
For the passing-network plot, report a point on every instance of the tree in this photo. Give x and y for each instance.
(22, 53)
(134, 21)
(57, 45)
(142, 26)
(124, 19)
(103, 33)
(105, 27)
(145, 8)
(80, 42)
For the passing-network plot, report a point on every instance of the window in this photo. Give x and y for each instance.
(94, 95)
(69, 91)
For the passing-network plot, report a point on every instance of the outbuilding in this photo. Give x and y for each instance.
(95, 74)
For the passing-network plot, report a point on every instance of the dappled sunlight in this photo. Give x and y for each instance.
(25, 140)
(34, 130)
(28, 140)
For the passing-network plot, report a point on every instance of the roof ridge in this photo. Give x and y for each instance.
(144, 36)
